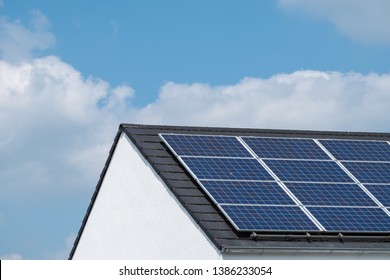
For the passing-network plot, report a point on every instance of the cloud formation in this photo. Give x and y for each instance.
(300, 100)
(360, 20)
(54, 122)
(18, 42)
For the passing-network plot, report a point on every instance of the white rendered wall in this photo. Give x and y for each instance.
(136, 217)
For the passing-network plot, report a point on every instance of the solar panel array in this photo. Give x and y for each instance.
(275, 184)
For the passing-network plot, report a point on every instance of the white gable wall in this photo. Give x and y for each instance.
(135, 216)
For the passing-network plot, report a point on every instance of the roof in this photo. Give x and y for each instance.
(206, 214)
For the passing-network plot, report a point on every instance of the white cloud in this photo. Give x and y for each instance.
(17, 42)
(361, 20)
(301, 100)
(58, 126)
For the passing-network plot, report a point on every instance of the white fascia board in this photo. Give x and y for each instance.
(135, 216)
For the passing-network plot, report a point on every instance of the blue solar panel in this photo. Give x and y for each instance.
(308, 171)
(381, 192)
(330, 194)
(199, 145)
(352, 219)
(370, 172)
(285, 148)
(227, 168)
(238, 192)
(358, 150)
(251, 198)
(269, 218)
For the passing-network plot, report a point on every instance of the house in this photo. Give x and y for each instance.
(148, 205)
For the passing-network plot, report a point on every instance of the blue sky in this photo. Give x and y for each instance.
(71, 71)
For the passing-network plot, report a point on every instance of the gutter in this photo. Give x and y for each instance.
(310, 238)
(300, 251)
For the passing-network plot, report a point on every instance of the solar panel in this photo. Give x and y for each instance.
(358, 150)
(226, 168)
(291, 184)
(285, 148)
(244, 192)
(370, 172)
(217, 146)
(269, 218)
(308, 171)
(330, 194)
(352, 219)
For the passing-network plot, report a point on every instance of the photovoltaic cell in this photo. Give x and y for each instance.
(269, 218)
(202, 145)
(227, 169)
(285, 148)
(362, 150)
(330, 194)
(247, 192)
(381, 192)
(308, 171)
(352, 219)
(369, 172)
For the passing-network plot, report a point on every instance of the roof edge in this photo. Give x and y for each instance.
(297, 250)
(124, 126)
(95, 194)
